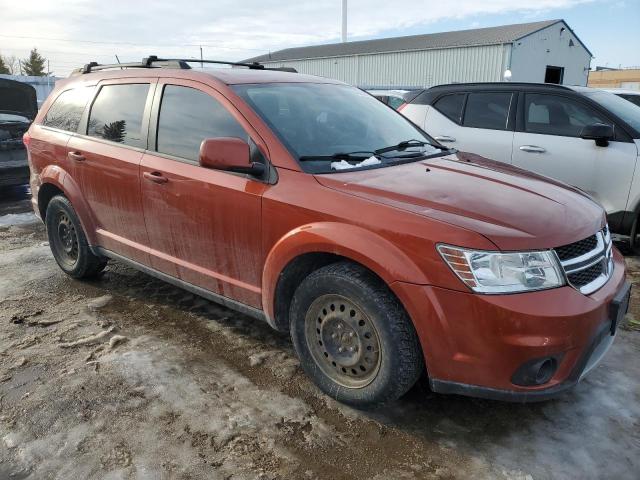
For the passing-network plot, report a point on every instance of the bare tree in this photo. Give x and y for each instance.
(12, 64)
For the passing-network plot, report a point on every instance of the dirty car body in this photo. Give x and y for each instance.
(501, 283)
(18, 108)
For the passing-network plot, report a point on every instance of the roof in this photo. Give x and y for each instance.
(228, 76)
(462, 38)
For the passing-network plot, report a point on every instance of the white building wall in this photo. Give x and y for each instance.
(531, 55)
(422, 68)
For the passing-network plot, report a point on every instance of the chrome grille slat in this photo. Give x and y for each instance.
(587, 270)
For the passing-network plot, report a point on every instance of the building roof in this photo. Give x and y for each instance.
(462, 38)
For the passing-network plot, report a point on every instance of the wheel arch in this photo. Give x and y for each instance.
(54, 180)
(307, 248)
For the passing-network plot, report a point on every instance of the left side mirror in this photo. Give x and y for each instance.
(229, 153)
(600, 132)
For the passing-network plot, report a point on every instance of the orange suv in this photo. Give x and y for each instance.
(309, 204)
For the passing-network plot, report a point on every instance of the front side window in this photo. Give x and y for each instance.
(117, 112)
(557, 115)
(451, 106)
(315, 120)
(624, 109)
(488, 110)
(187, 117)
(66, 111)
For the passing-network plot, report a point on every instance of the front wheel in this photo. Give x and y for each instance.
(68, 242)
(353, 336)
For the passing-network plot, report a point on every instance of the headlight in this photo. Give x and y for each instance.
(497, 272)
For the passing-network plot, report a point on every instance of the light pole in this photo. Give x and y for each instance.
(344, 21)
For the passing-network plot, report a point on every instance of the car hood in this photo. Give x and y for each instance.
(18, 98)
(513, 208)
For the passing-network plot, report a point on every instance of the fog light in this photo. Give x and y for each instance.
(535, 372)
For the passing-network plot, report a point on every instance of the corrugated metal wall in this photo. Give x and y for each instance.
(422, 68)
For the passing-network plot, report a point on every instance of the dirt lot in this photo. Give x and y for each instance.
(127, 377)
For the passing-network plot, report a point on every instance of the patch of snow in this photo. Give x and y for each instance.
(17, 219)
(344, 165)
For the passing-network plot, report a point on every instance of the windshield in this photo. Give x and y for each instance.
(624, 109)
(316, 121)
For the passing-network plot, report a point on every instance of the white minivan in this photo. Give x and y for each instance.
(582, 136)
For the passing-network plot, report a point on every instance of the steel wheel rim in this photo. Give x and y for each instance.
(343, 341)
(66, 239)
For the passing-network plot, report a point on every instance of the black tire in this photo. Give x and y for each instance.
(363, 305)
(68, 242)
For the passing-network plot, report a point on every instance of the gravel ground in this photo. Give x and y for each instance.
(127, 377)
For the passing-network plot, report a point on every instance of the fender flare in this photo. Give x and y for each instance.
(350, 241)
(57, 176)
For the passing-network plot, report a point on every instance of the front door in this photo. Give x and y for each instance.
(478, 122)
(550, 144)
(203, 224)
(107, 157)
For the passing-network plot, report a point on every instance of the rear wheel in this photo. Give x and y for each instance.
(353, 337)
(68, 242)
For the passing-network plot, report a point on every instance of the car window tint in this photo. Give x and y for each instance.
(116, 114)
(451, 106)
(67, 109)
(187, 117)
(556, 115)
(487, 110)
(395, 102)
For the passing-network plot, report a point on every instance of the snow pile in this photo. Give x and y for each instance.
(344, 165)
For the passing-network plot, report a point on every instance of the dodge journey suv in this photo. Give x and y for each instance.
(309, 204)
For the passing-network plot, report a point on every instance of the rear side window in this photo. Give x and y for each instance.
(67, 109)
(556, 115)
(488, 110)
(451, 106)
(187, 117)
(116, 114)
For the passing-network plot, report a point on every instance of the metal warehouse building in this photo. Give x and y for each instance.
(534, 52)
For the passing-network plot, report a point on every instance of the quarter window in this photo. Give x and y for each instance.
(556, 115)
(187, 117)
(117, 112)
(67, 109)
(488, 110)
(451, 106)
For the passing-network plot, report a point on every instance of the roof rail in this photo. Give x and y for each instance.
(152, 61)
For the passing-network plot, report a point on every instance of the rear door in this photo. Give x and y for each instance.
(107, 157)
(548, 142)
(203, 224)
(476, 122)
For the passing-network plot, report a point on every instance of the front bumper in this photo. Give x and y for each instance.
(473, 344)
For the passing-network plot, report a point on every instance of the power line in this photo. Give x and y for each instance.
(94, 42)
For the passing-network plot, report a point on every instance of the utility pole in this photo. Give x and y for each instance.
(344, 21)
(201, 64)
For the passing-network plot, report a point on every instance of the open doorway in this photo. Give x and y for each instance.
(554, 75)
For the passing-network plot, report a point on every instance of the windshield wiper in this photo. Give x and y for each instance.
(403, 146)
(362, 155)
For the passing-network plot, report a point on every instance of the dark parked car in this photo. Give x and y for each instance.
(18, 108)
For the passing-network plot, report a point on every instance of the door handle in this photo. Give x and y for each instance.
(445, 138)
(76, 156)
(155, 177)
(532, 149)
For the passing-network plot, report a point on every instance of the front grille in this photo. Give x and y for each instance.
(588, 263)
(576, 249)
(586, 276)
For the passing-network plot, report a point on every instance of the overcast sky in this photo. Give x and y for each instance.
(72, 32)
